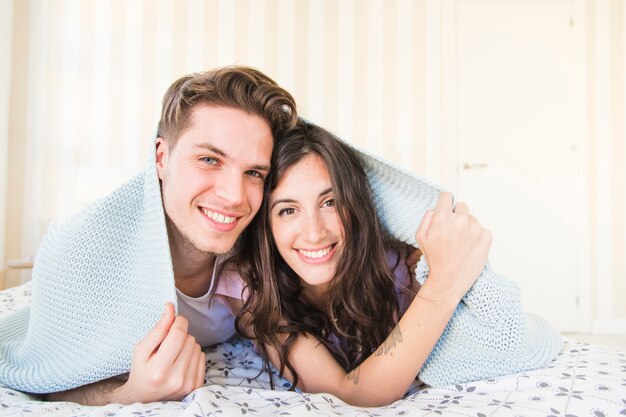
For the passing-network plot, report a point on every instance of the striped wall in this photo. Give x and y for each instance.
(87, 78)
(6, 32)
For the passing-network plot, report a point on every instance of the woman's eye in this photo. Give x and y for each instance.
(286, 212)
(329, 203)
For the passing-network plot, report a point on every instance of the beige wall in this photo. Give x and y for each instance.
(87, 78)
(606, 145)
(618, 147)
(6, 31)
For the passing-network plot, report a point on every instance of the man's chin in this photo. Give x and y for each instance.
(213, 249)
(209, 245)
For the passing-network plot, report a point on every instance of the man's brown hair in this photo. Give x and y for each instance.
(239, 87)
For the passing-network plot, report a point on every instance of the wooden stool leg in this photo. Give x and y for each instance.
(14, 264)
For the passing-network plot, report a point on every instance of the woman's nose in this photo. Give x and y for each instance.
(314, 228)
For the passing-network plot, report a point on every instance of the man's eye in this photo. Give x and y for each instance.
(286, 212)
(209, 160)
(255, 174)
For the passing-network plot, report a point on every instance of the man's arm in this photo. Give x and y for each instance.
(167, 364)
(98, 393)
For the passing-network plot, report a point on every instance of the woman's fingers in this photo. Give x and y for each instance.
(461, 208)
(444, 202)
(422, 229)
(413, 258)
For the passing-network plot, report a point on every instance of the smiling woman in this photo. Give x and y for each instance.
(330, 299)
(306, 227)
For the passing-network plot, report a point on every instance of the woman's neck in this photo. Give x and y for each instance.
(316, 295)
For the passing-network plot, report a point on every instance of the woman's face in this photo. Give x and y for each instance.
(305, 223)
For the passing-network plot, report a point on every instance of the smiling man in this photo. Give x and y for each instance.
(213, 152)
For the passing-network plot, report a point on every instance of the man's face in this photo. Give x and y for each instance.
(212, 179)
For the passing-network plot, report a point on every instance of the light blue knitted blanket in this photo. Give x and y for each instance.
(101, 280)
(489, 334)
(100, 283)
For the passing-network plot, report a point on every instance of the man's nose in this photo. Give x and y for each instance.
(230, 188)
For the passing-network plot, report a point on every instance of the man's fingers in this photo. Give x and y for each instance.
(153, 339)
(172, 344)
(201, 369)
(183, 372)
(185, 357)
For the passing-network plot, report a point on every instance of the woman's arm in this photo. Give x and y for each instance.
(385, 375)
(456, 248)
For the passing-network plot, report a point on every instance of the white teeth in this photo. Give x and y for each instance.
(315, 254)
(220, 218)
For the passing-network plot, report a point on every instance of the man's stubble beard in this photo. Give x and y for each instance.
(185, 243)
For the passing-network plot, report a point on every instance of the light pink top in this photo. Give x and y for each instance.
(210, 316)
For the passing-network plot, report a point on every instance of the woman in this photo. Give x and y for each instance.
(329, 299)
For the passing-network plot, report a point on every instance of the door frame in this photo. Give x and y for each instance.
(441, 140)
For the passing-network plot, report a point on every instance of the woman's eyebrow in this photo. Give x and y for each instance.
(282, 200)
(326, 191)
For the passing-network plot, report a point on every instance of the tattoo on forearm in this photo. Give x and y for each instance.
(354, 375)
(392, 340)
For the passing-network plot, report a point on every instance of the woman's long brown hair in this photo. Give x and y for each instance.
(362, 307)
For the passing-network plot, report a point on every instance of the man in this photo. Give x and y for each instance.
(213, 153)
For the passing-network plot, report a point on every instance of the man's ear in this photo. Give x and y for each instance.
(162, 156)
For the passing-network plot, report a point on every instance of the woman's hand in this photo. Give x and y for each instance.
(455, 246)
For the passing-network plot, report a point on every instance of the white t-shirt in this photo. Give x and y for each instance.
(211, 319)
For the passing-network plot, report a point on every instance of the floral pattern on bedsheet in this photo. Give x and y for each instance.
(585, 380)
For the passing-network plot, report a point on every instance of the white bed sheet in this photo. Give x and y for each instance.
(585, 380)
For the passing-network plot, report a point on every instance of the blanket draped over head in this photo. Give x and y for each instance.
(101, 280)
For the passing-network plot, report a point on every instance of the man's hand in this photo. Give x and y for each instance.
(167, 364)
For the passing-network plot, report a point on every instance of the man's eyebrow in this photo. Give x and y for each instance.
(211, 148)
(223, 154)
(265, 168)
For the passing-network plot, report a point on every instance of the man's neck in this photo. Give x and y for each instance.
(193, 269)
(193, 276)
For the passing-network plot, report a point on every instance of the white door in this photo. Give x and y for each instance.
(511, 124)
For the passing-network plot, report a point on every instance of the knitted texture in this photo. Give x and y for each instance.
(100, 283)
(489, 334)
(101, 280)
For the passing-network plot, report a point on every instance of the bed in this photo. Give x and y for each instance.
(585, 380)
